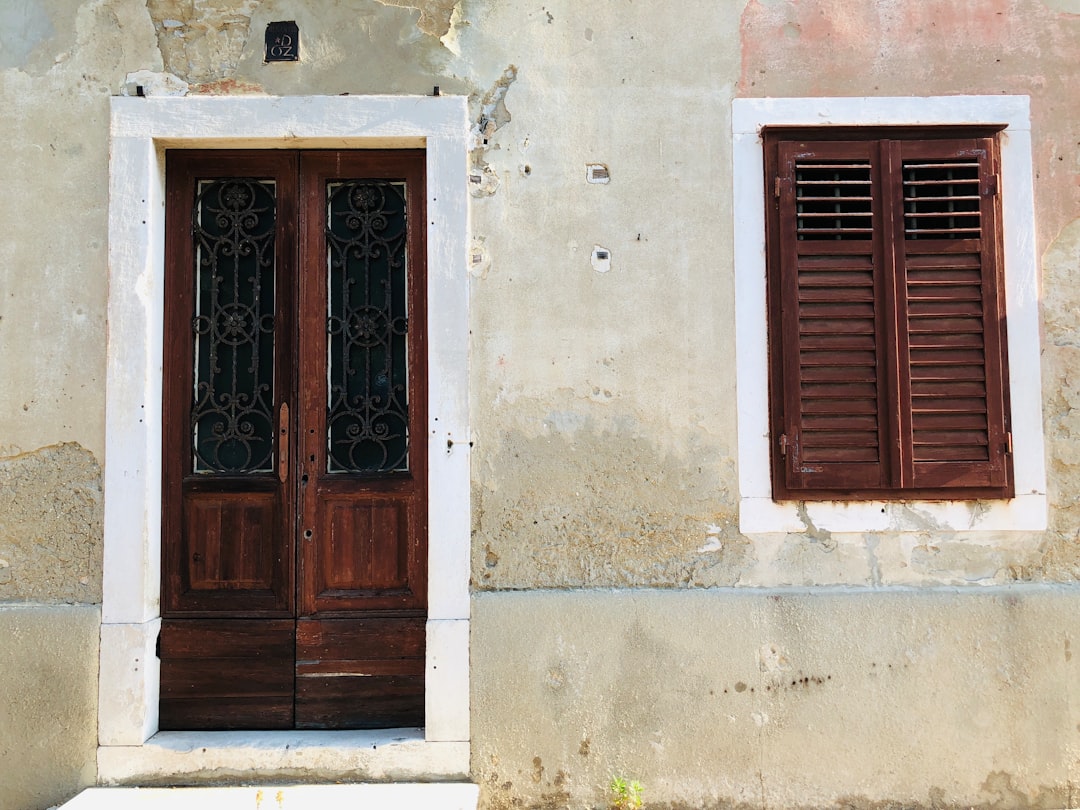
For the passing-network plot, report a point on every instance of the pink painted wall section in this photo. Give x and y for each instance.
(932, 47)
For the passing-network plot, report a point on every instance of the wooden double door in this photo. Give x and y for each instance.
(294, 529)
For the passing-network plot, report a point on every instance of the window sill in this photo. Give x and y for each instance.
(192, 757)
(1020, 514)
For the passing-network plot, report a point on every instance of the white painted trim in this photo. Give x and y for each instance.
(141, 129)
(758, 513)
(181, 756)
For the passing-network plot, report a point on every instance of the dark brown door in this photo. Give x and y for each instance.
(294, 489)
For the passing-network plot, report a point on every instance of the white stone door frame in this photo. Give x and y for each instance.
(141, 129)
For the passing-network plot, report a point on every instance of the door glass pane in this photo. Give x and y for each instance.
(367, 376)
(233, 326)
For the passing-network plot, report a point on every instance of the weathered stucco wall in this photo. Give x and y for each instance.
(48, 697)
(50, 526)
(59, 63)
(795, 698)
(605, 430)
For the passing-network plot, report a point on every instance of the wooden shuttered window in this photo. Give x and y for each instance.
(888, 368)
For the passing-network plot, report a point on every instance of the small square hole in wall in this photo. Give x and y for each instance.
(282, 42)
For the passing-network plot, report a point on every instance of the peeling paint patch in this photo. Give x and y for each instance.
(201, 42)
(51, 513)
(493, 113)
(592, 507)
(479, 259)
(1063, 6)
(712, 539)
(228, 87)
(483, 181)
(153, 83)
(435, 15)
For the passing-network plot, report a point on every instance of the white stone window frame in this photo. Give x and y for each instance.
(141, 129)
(758, 512)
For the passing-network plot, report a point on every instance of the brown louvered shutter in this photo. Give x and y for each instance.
(952, 403)
(888, 368)
(831, 315)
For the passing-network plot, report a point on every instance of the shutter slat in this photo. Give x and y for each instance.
(934, 371)
(966, 404)
(946, 356)
(841, 361)
(944, 326)
(953, 421)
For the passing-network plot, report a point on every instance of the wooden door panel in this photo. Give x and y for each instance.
(227, 673)
(360, 673)
(363, 701)
(363, 555)
(382, 638)
(232, 554)
(238, 713)
(365, 545)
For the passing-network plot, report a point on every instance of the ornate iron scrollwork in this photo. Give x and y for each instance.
(367, 325)
(232, 414)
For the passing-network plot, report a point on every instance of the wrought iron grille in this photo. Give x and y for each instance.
(233, 326)
(367, 325)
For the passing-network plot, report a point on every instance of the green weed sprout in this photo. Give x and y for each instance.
(625, 795)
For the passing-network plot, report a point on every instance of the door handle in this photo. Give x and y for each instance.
(283, 442)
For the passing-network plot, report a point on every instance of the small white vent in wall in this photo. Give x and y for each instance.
(597, 173)
(601, 259)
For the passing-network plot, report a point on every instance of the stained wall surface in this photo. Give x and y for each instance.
(603, 390)
(48, 713)
(799, 698)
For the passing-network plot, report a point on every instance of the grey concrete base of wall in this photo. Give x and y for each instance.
(48, 698)
(779, 699)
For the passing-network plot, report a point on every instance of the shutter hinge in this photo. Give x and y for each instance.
(1008, 443)
(157, 645)
(783, 444)
(991, 189)
(776, 187)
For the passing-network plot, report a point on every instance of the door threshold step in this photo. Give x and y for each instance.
(370, 796)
